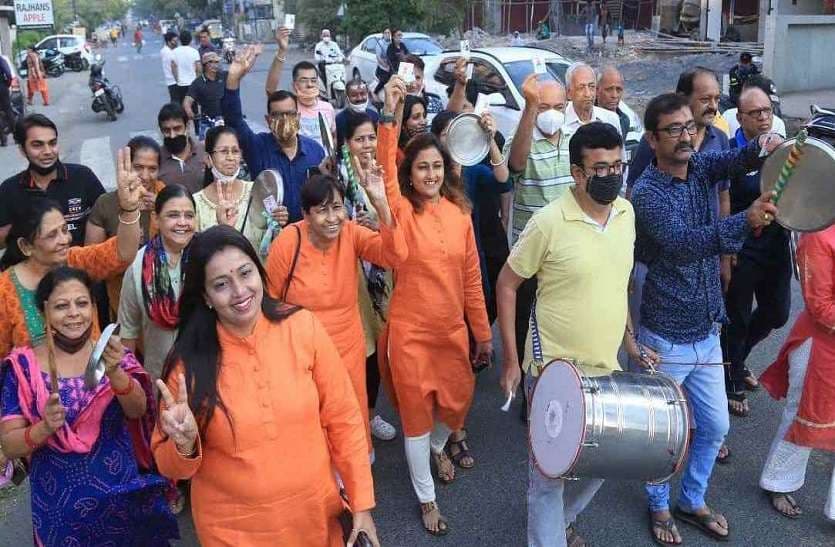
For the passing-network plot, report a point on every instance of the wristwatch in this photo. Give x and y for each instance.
(385, 117)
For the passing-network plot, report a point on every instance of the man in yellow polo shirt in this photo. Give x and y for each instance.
(580, 249)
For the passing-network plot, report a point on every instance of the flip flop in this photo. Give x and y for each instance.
(702, 522)
(727, 459)
(668, 525)
(773, 496)
(739, 398)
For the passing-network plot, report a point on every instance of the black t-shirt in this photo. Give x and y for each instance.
(208, 94)
(76, 188)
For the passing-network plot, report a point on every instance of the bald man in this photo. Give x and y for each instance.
(763, 266)
(582, 94)
(537, 157)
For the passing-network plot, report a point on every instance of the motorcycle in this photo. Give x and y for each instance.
(204, 123)
(229, 49)
(106, 97)
(53, 62)
(75, 62)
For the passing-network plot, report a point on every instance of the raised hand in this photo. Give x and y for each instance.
(113, 354)
(530, 90)
(282, 39)
(129, 187)
(281, 215)
(55, 414)
(762, 212)
(227, 209)
(395, 93)
(371, 179)
(461, 70)
(488, 124)
(244, 61)
(176, 418)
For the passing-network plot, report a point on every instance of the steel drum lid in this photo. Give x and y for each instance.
(327, 138)
(557, 419)
(466, 141)
(95, 366)
(808, 201)
(268, 183)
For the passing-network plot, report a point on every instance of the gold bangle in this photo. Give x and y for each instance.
(138, 216)
(501, 161)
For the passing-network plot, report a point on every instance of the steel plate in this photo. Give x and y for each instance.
(466, 141)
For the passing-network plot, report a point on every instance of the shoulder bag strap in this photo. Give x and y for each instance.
(292, 265)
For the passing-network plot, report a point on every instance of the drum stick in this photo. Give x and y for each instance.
(506, 405)
(789, 166)
(50, 350)
(726, 363)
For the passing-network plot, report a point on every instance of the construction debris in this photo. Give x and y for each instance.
(666, 43)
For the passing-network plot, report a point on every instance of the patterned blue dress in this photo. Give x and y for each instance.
(95, 499)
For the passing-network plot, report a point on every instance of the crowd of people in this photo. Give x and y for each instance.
(256, 330)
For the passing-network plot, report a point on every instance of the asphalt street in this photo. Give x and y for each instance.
(486, 505)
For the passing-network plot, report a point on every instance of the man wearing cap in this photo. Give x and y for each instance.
(739, 73)
(205, 93)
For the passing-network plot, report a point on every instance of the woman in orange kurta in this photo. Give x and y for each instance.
(35, 77)
(437, 295)
(325, 247)
(268, 414)
(40, 241)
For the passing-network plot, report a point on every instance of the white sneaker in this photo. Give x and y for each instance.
(381, 429)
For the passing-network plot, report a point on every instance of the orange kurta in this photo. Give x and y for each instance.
(99, 261)
(437, 293)
(325, 282)
(295, 418)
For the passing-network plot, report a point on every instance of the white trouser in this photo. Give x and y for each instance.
(417, 456)
(785, 466)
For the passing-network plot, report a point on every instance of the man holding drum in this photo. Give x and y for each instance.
(580, 249)
(681, 237)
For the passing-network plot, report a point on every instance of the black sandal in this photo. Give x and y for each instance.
(750, 381)
(739, 398)
(668, 525)
(726, 459)
(443, 527)
(702, 522)
(774, 496)
(461, 450)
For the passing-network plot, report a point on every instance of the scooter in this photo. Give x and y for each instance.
(53, 62)
(333, 88)
(106, 97)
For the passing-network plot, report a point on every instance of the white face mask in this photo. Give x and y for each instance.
(326, 39)
(361, 107)
(549, 122)
(224, 179)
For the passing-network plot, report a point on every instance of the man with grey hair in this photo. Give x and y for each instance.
(581, 87)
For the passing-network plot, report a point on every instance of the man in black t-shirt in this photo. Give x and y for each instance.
(206, 92)
(74, 187)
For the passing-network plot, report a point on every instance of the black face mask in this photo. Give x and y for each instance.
(604, 190)
(42, 171)
(72, 345)
(175, 145)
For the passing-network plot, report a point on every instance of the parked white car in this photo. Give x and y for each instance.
(500, 72)
(68, 44)
(362, 61)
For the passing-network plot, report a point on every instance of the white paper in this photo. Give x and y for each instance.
(270, 204)
(539, 65)
(465, 49)
(406, 71)
(482, 104)
(470, 67)
(290, 21)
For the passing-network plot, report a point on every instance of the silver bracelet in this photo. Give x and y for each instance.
(501, 161)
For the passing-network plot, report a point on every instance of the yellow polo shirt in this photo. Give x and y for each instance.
(582, 270)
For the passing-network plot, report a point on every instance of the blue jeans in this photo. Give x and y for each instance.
(590, 27)
(553, 504)
(705, 391)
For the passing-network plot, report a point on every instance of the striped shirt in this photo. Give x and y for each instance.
(545, 178)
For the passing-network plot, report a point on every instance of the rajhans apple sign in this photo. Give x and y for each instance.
(33, 13)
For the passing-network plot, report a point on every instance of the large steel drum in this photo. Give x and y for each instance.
(622, 426)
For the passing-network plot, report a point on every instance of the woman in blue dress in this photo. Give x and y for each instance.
(87, 449)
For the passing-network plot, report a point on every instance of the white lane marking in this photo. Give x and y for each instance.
(96, 154)
(122, 59)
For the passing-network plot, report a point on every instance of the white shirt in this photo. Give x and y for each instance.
(598, 114)
(328, 52)
(166, 55)
(777, 124)
(185, 57)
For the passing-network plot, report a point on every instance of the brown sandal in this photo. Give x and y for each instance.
(459, 450)
(446, 471)
(426, 509)
(777, 497)
(573, 538)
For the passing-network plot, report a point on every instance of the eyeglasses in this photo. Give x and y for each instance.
(232, 152)
(760, 112)
(675, 131)
(308, 81)
(283, 115)
(604, 169)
